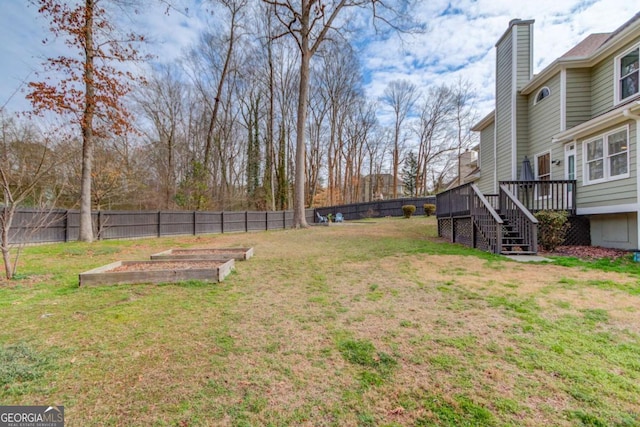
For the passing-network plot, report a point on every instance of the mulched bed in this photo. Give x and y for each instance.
(586, 252)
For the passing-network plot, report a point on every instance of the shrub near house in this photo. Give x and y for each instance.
(552, 228)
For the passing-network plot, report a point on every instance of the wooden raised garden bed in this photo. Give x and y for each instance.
(157, 271)
(239, 254)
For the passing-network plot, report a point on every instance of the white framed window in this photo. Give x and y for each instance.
(542, 94)
(627, 74)
(606, 157)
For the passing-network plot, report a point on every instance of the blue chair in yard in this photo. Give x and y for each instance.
(339, 217)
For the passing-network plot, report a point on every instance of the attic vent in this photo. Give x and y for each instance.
(542, 94)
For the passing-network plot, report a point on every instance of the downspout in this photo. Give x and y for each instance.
(495, 151)
(628, 114)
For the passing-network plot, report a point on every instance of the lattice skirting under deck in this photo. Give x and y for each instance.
(460, 230)
(579, 234)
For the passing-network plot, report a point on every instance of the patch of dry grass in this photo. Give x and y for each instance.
(442, 335)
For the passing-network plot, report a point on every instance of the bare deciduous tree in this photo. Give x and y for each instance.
(431, 129)
(163, 101)
(464, 117)
(309, 23)
(26, 164)
(401, 96)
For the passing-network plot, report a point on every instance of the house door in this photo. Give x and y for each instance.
(570, 170)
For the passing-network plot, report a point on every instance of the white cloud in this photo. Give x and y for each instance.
(459, 42)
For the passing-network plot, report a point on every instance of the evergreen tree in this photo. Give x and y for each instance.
(253, 149)
(410, 174)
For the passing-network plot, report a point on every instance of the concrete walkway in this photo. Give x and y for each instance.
(528, 258)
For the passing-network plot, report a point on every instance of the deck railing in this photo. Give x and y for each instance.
(558, 195)
(519, 218)
(487, 220)
(454, 203)
(494, 200)
(516, 203)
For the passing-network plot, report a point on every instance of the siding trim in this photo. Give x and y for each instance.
(628, 114)
(530, 52)
(563, 99)
(637, 242)
(495, 155)
(514, 97)
(629, 207)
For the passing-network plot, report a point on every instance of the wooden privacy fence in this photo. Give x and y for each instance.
(377, 209)
(38, 226)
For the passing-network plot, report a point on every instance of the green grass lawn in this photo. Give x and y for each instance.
(361, 324)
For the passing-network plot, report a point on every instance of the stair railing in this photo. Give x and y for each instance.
(486, 219)
(519, 217)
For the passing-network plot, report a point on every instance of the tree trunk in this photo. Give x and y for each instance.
(299, 220)
(271, 158)
(217, 99)
(86, 228)
(7, 219)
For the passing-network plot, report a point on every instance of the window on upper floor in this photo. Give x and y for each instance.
(627, 74)
(542, 94)
(607, 157)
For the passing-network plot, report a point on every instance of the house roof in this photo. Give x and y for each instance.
(633, 19)
(485, 122)
(587, 52)
(587, 46)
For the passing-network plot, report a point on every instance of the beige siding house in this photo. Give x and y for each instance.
(577, 120)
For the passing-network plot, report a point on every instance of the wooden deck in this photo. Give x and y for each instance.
(503, 222)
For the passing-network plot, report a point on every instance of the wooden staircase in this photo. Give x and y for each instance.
(513, 243)
(501, 223)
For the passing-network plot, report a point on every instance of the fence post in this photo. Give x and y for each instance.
(222, 222)
(194, 222)
(99, 225)
(159, 218)
(284, 219)
(246, 221)
(266, 220)
(66, 225)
